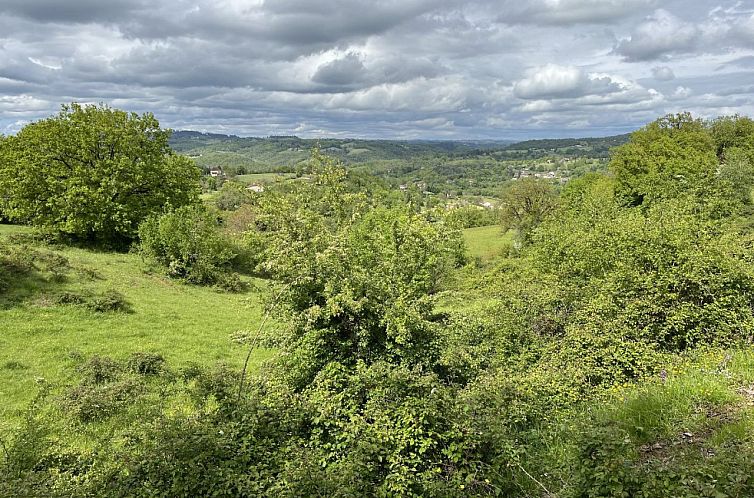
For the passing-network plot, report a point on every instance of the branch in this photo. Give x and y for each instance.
(253, 341)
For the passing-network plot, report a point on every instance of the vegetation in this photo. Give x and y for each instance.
(594, 342)
(187, 243)
(53, 300)
(92, 172)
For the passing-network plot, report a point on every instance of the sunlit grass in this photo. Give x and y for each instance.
(39, 339)
(486, 243)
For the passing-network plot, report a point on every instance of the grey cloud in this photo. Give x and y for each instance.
(378, 68)
(745, 62)
(659, 35)
(663, 73)
(341, 72)
(568, 12)
(77, 11)
(350, 72)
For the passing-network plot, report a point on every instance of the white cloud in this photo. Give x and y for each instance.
(555, 81)
(551, 80)
(682, 92)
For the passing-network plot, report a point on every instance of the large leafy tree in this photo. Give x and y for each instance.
(525, 204)
(93, 172)
(669, 157)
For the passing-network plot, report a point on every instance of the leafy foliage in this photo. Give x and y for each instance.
(188, 244)
(93, 172)
(525, 204)
(609, 356)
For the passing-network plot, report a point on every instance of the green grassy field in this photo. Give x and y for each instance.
(486, 243)
(40, 339)
(264, 177)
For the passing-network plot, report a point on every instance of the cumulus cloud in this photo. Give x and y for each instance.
(555, 81)
(663, 73)
(378, 68)
(659, 35)
(344, 71)
(353, 72)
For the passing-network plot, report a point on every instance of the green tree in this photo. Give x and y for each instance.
(356, 277)
(232, 195)
(732, 132)
(667, 158)
(525, 204)
(93, 172)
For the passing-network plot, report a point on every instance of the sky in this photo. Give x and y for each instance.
(397, 69)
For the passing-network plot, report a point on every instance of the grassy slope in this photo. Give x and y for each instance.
(486, 243)
(264, 177)
(184, 323)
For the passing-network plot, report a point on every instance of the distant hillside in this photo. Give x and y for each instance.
(590, 146)
(259, 154)
(478, 166)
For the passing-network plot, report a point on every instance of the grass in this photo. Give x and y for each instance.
(264, 177)
(39, 339)
(486, 243)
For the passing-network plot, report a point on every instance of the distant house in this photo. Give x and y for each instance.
(216, 172)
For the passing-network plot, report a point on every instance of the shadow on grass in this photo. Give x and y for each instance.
(35, 274)
(26, 273)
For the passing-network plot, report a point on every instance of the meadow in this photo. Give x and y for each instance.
(487, 243)
(43, 339)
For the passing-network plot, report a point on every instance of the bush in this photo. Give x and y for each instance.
(92, 402)
(232, 195)
(110, 301)
(188, 244)
(146, 363)
(100, 370)
(472, 216)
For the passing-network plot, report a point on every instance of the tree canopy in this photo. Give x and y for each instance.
(93, 172)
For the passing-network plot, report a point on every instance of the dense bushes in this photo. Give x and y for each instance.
(188, 244)
(472, 216)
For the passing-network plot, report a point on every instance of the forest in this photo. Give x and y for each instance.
(169, 333)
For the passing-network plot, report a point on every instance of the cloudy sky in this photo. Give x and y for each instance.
(380, 68)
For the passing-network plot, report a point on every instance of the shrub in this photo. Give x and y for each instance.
(472, 216)
(110, 301)
(232, 195)
(68, 297)
(91, 402)
(146, 363)
(188, 244)
(100, 369)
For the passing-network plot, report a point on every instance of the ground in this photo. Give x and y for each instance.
(486, 243)
(40, 339)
